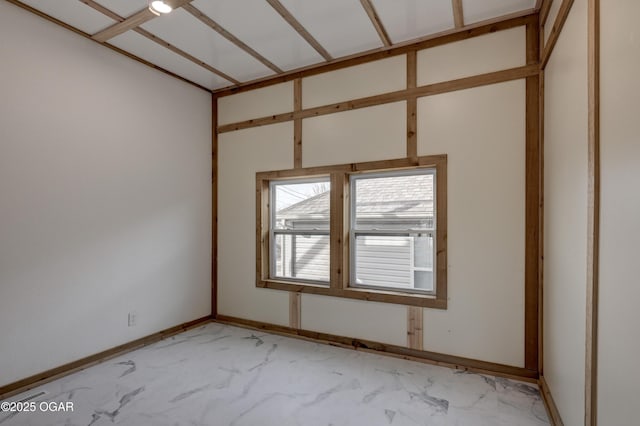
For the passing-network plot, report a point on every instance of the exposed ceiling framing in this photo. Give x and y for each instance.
(226, 44)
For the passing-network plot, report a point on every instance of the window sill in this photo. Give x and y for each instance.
(383, 296)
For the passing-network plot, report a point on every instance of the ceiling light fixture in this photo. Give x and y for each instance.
(159, 6)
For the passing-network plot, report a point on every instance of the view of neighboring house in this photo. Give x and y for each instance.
(394, 231)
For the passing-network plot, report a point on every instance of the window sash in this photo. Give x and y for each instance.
(354, 232)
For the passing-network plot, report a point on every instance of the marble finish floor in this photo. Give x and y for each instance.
(222, 375)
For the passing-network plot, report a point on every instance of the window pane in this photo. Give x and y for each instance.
(383, 261)
(390, 261)
(302, 205)
(423, 251)
(423, 280)
(395, 202)
(302, 256)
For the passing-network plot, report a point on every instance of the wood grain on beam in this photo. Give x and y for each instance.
(291, 20)
(376, 21)
(549, 403)
(414, 327)
(544, 11)
(214, 207)
(133, 21)
(504, 22)
(593, 215)
(107, 12)
(385, 98)
(533, 196)
(226, 34)
(561, 18)
(295, 312)
(458, 13)
(297, 123)
(412, 106)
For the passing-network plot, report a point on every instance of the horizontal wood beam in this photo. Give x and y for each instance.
(111, 14)
(400, 95)
(133, 21)
(450, 361)
(563, 14)
(457, 34)
(291, 20)
(195, 12)
(376, 21)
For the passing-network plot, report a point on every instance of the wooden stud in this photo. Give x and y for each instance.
(593, 216)
(135, 20)
(458, 13)
(414, 327)
(226, 34)
(532, 202)
(412, 106)
(297, 123)
(400, 95)
(39, 379)
(107, 45)
(563, 13)
(376, 21)
(291, 20)
(214, 207)
(541, 232)
(450, 361)
(295, 310)
(544, 11)
(549, 403)
(468, 31)
(337, 230)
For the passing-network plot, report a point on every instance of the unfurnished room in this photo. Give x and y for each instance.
(319, 212)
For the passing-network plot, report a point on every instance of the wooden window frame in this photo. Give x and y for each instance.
(339, 232)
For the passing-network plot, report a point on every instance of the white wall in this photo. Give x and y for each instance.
(482, 130)
(619, 345)
(565, 217)
(105, 205)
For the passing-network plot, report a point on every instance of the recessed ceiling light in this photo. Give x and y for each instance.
(159, 6)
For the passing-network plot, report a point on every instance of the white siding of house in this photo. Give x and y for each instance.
(384, 261)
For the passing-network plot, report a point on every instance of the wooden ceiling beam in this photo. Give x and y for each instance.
(111, 14)
(133, 21)
(226, 34)
(488, 26)
(545, 7)
(376, 21)
(458, 13)
(291, 20)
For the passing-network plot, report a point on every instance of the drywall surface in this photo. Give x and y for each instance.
(105, 174)
(565, 217)
(619, 345)
(269, 100)
(242, 154)
(482, 131)
(478, 55)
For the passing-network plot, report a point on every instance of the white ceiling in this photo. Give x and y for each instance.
(342, 27)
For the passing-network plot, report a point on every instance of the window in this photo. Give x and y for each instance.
(393, 229)
(371, 231)
(300, 230)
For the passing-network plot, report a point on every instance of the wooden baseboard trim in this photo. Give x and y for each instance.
(450, 361)
(80, 364)
(549, 403)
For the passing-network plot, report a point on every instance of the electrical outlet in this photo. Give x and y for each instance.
(133, 319)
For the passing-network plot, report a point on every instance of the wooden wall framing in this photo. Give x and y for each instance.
(530, 72)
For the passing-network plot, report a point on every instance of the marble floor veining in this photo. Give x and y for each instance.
(223, 375)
